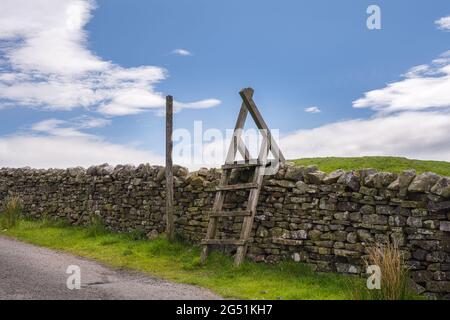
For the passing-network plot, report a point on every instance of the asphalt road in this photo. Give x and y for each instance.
(31, 272)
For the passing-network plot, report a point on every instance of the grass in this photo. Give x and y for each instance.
(389, 164)
(179, 262)
(11, 213)
(394, 274)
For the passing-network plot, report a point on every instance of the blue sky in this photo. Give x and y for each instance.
(84, 82)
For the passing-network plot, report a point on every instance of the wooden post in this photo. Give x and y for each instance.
(169, 169)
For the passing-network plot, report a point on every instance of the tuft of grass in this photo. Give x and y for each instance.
(96, 227)
(11, 212)
(137, 234)
(388, 164)
(394, 274)
(180, 262)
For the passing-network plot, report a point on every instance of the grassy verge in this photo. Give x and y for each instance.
(180, 262)
(389, 164)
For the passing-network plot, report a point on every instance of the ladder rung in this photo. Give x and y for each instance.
(242, 164)
(238, 186)
(223, 242)
(238, 213)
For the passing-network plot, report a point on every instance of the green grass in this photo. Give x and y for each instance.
(180, 262)
(389, 164)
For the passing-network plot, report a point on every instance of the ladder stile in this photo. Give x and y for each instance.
(259, 169)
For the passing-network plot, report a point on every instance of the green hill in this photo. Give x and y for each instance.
(389, 164)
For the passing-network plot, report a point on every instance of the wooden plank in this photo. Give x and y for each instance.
(169, 170)
(237, 143)
(240, 186)
(259, 166)
(212, 225)
(241, 164)
(252, 204)
(261, 124)
(238, 213)
(223, 242)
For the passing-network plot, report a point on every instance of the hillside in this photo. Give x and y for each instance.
(389, 164)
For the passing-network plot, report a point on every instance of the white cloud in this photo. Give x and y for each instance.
(62, 128)
(86, 122)
(313, 110)
(181, 52)
(53, 152)
(411, 119)
(422, 135)
(444, 23)
(56, 127)
(424, 87)
(46, 62)
(59, 144)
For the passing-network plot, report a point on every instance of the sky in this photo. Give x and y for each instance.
(84, 82)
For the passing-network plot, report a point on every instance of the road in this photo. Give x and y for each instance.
(31, 272)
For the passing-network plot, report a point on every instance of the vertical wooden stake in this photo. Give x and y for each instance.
(169, 169)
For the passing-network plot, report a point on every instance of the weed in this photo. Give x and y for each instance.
(11, 212)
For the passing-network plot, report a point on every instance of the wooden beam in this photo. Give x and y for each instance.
(169, 170)
(261, 124)
(236, 143)
(242, 186)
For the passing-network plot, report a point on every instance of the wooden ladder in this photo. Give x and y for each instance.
(258, 167)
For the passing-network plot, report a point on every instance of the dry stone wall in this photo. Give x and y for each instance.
(324, 220)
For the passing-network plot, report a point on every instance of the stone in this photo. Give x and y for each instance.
(279, 232)
(284, 183)
(397, 221)
(316, 177)
(419, 254)
(161, 175)
(153, 235)
(367, 209)
(383, 209)
(423, 182)
(374, 219)
(368, 191)
(437, 256)
(347, 206)
(301, 187)
(314, 234)
(414, 222)
(430, 224)
(299, 234)
(296, 257)
(380, 180)
(341, 215)
(294, 173)
(364, 235)
(416, 288)
(333, 177)
(180, 171)
(350, 179)
(287, 242)
(325, 204)
(347, 268)
(438, 286)
(444, 226)
(203, 172)
(346, 253)
(355, 216)
(405, 178)
(363, 173)
(262, 232)
(395, 185)
(352, 237)
(442, 187)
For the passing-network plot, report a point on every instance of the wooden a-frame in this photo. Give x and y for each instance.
(258, 165)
